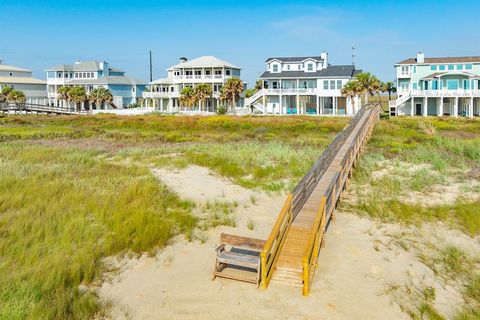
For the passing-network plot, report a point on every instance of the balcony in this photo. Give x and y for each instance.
(200, 78)
(160, 94)
(292, 91)
(405, 74)
(446, 93)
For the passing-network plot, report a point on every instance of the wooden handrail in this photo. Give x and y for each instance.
(270, 252)
(333, 192)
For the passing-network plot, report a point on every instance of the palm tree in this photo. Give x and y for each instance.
(187, 97)
(16, 96)
(389, 87)
(4, 93)
(352, 89)
(62, 93)
(77, 95)
(201, 93)
(369, 84)
(232, 90)
(99, 96)
(259, 85)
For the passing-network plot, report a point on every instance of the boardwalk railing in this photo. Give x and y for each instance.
(333, 193)
(7, 107)
(296, 200)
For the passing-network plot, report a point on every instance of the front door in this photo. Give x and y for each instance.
(418, 109)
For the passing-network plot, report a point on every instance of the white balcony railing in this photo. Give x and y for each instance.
(446, 93)
(160, 94)
(292, 91)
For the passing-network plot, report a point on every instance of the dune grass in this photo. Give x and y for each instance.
(60, 213)
(74, 190)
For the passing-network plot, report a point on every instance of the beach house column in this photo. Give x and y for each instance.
(455, 108)
(412, 106)
(161, 104)
(470, 108)
(298, 98)
(318, 105)
(334, 105)
(440, 108)
(425, 106)
(280, 98)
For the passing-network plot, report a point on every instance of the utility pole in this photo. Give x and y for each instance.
(353, 54)
(151, 77)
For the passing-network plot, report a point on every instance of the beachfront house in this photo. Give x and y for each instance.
(164, 94)
(94, 74)
(437, 87)
(304, 85)
(21, 79)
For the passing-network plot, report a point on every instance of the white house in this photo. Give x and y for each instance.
(94, 74)
(20, 79)
(437, 86)
(304, 85)
(164, 94)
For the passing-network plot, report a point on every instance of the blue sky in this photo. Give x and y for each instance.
(40, 34)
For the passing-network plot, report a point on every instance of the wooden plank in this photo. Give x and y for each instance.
(242, 242)
(238, 259)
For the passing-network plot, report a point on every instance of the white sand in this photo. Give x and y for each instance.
(350, 281)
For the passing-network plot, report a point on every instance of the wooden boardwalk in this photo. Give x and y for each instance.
(290, 253)
(26, 108)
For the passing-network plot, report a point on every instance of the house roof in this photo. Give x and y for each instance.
(162, 81)
(82, 66)
(205, 62)
(126, 80)
(21, 80)
(469, 59)
(330, 72)
(294, 59)
(4, 67)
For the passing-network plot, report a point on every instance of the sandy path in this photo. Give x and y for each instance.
(350, 281)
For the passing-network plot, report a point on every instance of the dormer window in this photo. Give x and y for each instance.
(11, 74)
(288, 67)
(310, 67)
(275, 68)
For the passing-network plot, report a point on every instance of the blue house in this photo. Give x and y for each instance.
(91, 75)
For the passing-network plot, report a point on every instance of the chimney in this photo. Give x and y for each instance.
(183, 60)
(420, 57)
(104, 68)
(324, 56)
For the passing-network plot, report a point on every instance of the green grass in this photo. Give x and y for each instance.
(61, 212)
(74, 190)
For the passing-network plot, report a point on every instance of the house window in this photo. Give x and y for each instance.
(339, 84)
(441, 68)
(218, 72)
(332, 84)
(433, 67)
(468, 67)
(59, 75)
(451, 67)
(466, 84)
(76, 74)
(217, 87)
(288, 67)
(414, 69)
(274, 85)
(415, 86)
(310, 67)
(459, 66)
(227, 72)
(275, 68)
(299, 67)
(325, 84)
(208, 72)
(198, 72)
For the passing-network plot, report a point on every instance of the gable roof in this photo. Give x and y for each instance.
(21, 80)
(348, 71)
(468, 59)
(294, 59)
(205, 62)
(4, 67)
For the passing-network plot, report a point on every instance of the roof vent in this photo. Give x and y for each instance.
(183, 60)
(420, 57)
